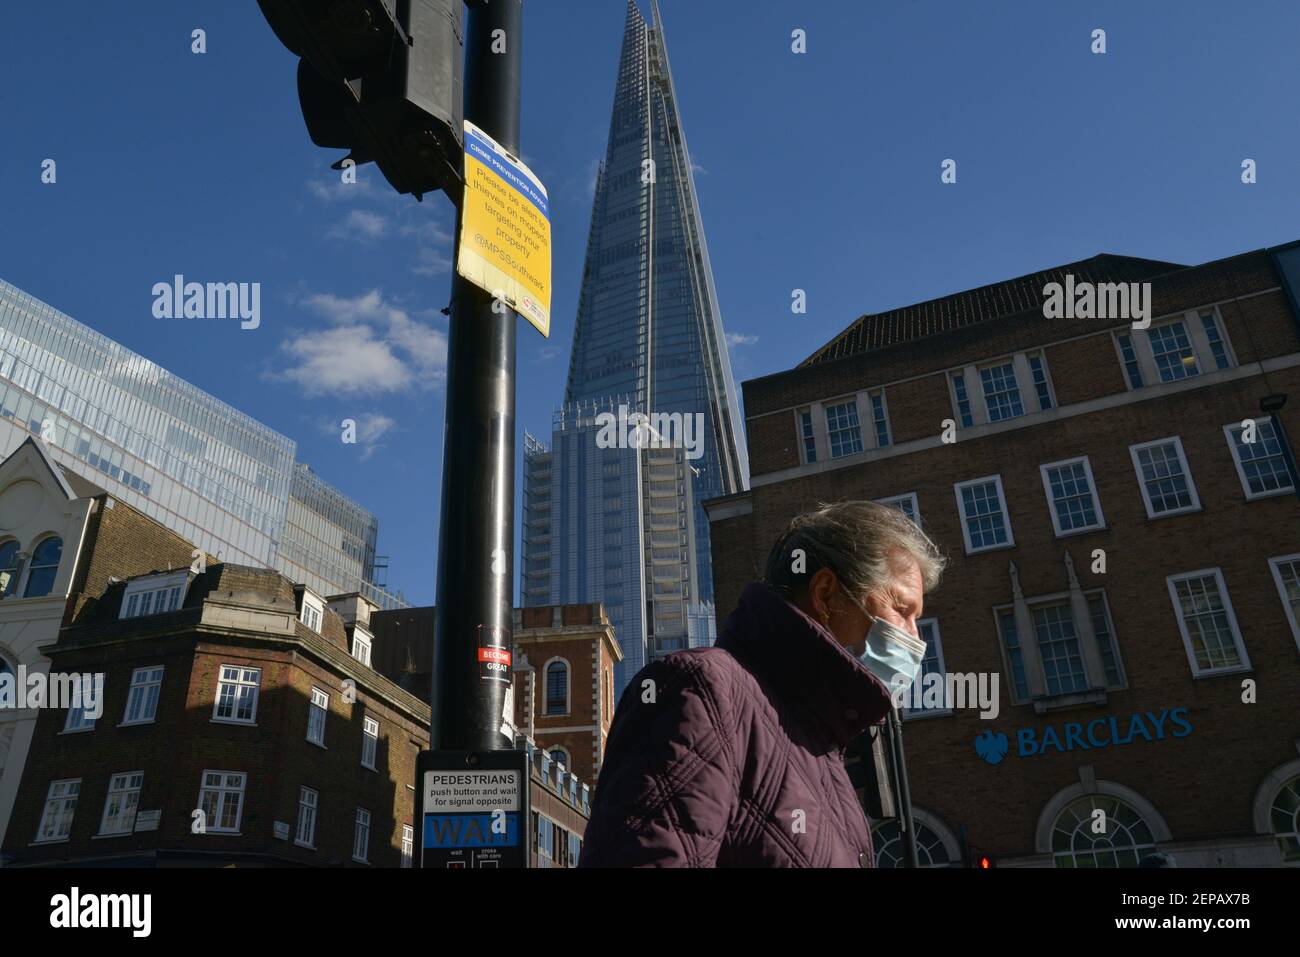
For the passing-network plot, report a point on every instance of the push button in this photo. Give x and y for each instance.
(863, 860)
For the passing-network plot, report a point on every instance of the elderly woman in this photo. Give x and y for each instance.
(732, 756)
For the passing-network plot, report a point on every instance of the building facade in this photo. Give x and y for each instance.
(564, 686)
(648, 340)
(1124, 534)
(213, 475)
(241, 725)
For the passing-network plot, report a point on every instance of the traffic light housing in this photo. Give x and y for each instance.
(383, 80)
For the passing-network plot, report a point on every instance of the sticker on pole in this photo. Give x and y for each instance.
(505, 233)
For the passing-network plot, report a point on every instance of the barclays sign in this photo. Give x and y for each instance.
(993, 746)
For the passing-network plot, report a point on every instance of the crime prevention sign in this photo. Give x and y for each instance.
(505, 233)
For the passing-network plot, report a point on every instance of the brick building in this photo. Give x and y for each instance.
(61, 537)
(564, 658)
(241, 724)
(1124, 544)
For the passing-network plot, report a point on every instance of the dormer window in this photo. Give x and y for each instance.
(361, 645)
(155, 594)
(313, 610)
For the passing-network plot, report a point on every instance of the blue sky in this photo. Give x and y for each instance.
(817, 171)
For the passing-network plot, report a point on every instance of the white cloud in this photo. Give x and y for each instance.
(359, 224)
(371, 347)
(332, 188)
(740, 339)
(431, 261)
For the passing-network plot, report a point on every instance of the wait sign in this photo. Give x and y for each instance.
(505, 232)
(472, 807)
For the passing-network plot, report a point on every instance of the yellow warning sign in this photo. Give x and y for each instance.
(505, 234)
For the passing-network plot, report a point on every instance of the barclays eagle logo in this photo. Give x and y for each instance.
(991, 747)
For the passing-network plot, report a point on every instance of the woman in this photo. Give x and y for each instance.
(732, 756)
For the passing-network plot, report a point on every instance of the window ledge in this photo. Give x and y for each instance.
(1222, 672)
(317, 744)
(77, 730)
(52, 840)
(1082, 531)
(991, 548)
(1074, 699)
(101, 836)
(133, 724)
(308, 847)
(242, 724)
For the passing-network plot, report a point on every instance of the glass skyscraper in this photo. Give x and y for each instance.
(625, 525)
(203, 469)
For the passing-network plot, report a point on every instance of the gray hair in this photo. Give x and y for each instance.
(859, 541)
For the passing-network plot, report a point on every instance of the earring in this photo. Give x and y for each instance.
(826, 619)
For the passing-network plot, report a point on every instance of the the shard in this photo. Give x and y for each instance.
(609, 517)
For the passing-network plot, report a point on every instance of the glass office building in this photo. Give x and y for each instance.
(203, 469)
(649, 335)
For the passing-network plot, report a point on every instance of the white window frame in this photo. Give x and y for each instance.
(1056, 598)
(1192, 320)
(122, 784)
(52, 810)
(892, 500)
(223, 790)
(1051, 502)
(1006, 514)
(141, 684)
(361, 836)
(82, 723)
(908, 714)
(369, 742)
(313, 611)
(851, 399)
(811, 412)
(1192, 340)
(408, 845)
(1292, 617)
(240, 682)
(361, 645)
(1217, 573)
(1252, 496)
(307, 814)
(1016, 370)
(1041, 355)
(319, 705)
(866, 403)
(171, 586)
(1187, 473)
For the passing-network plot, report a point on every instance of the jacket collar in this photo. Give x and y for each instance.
(802, 660)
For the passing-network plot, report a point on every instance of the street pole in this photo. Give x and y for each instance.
(902, 791)
(475, 553)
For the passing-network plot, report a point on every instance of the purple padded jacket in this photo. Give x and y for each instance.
(732, 756)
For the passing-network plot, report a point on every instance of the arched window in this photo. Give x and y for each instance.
(560, 756)
(1116, 837)
(1285, 818)
(44, 568)
(931, 849)
(8, 568)
(557, 688)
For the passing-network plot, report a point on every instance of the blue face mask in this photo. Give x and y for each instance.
(891, 654)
